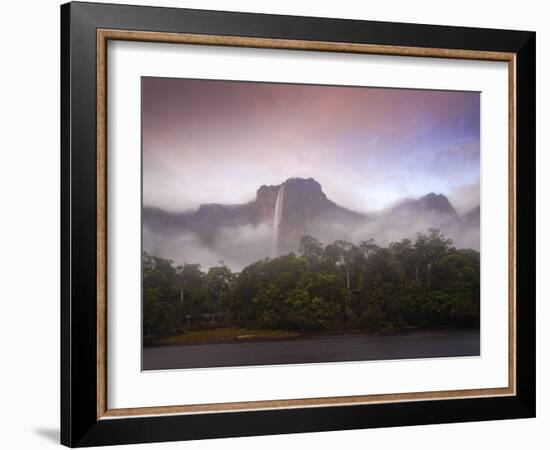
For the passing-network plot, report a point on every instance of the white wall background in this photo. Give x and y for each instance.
(29, 225)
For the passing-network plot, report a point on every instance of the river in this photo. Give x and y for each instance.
(425, 344)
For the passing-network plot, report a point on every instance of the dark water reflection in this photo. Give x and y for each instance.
(426, 344)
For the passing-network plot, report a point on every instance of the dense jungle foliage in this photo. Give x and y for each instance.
(337, 287)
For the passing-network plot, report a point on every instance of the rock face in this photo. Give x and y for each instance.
(263, 208)
(436, 204)
(432, 210)
(298, 206)
(304, 201)
(304, 205)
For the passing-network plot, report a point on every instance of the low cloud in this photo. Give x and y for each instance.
(240, 246)
(235, 247)
(385, 230)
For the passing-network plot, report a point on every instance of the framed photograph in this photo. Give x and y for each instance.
(277, 224)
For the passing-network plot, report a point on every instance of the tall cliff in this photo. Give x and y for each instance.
(303, 206)
(280, 215)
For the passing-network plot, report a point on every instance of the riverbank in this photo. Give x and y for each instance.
(236, 335)
(218, 335)
(314, 349)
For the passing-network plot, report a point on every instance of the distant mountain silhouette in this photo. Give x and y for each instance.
(304, 205)
(472, 217)
(431, 203)
(298, 206)
(432, 208)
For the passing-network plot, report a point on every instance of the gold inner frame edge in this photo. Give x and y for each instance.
(103, 36)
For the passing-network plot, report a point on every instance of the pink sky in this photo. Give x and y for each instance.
(219, 141)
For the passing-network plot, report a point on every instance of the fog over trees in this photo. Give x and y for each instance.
(338, 286)
(273, 223)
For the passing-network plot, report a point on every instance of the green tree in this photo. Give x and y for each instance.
(311, 248)
(217, 282)
(338, 286)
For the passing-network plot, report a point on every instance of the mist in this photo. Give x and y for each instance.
(237, 247)
(216, 141)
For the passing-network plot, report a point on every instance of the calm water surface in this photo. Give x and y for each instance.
(427, 344)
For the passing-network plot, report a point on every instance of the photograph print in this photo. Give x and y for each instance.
(297, 224)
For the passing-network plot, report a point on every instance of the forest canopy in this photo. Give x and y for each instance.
(336, 287)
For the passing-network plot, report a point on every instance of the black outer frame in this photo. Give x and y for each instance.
(79, 423)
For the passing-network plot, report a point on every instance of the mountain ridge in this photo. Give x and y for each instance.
(303, 209)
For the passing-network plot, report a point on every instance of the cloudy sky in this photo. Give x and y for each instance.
(219, 141)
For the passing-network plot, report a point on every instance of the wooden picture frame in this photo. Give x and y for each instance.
(86, 418)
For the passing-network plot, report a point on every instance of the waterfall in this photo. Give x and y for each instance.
(277, 216)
